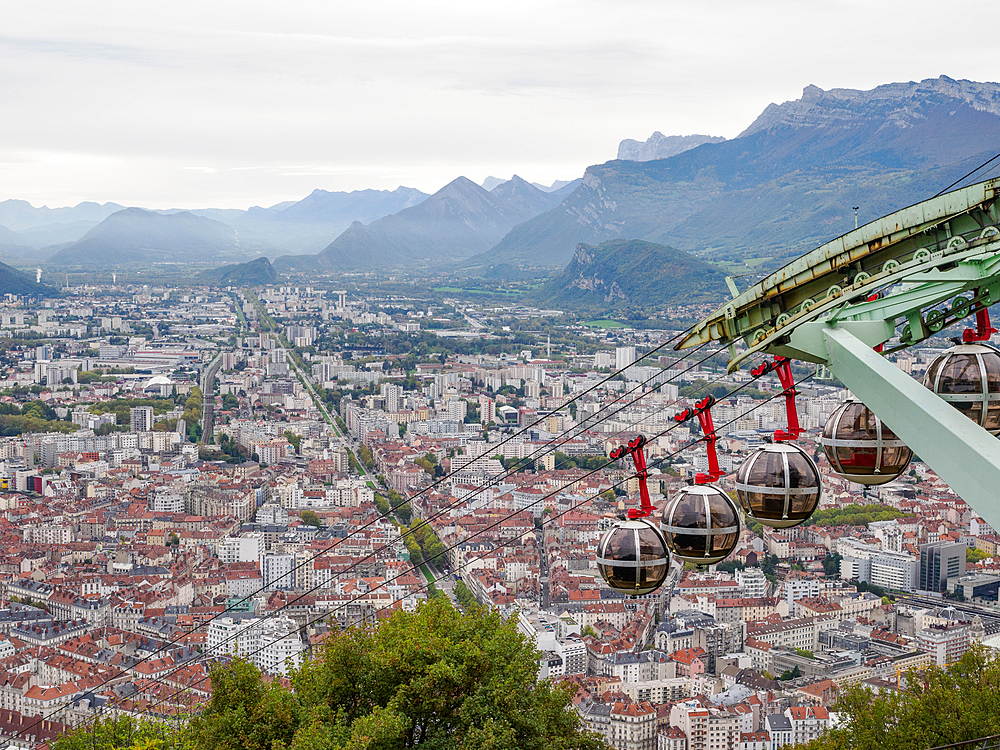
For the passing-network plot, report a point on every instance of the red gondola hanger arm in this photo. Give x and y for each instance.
(983, 330)
(783, 367)
(634, 448)
(878, 347)
(704, 408)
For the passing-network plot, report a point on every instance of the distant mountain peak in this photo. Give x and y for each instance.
(257, 272)
(491, 182)
(459, 220)
(631, 272)
(899, 104)
(659, 146)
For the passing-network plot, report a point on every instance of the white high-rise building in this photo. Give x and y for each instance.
(624, 356)
(753, 582)
(457, 409)
(166, 501)
(140, 419)
(247, 548)
(487, 410)
(278, 571)
(273, 645)
(392, 395)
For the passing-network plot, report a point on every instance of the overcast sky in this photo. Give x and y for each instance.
(233, 104)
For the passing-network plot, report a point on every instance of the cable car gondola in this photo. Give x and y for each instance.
(968, 377)
(861, 447)
(632, 556)
(701, 524)
(779, 485)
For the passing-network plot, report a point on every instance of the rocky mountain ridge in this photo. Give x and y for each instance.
(631, 273)
(785, 185)
(659, 146)
(901, 105)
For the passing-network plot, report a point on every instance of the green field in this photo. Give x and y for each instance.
(605, 324)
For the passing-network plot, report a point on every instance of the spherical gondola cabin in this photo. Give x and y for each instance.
(632, 557)
(701, 524)
(861, 448)
(779, 485)
(968, 377)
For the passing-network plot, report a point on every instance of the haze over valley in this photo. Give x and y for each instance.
(786, 183)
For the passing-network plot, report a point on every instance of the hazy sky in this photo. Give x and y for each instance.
(232, 104)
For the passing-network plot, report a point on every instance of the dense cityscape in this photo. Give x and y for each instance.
(193, 474)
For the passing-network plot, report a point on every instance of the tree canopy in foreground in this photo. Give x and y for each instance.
(939, 706)
(431, 678)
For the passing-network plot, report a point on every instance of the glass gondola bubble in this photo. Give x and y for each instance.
(701, 524)
(779, 485)
(861, 447)
(632, 557)
(968, 377)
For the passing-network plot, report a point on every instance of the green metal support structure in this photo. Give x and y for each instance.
(890, 284)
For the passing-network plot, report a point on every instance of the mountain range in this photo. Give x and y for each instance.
(30, 234)
(659, 146)
(459, 220)
(785, 184)
(138, 236)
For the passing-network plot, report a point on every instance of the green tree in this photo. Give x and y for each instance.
(831, 564)
(436, 679)
(310, 518)
(121, 733)
(365, 456)
(937, 706)
(245, 713)
(974, 555)
(295, 440)
(465, 597)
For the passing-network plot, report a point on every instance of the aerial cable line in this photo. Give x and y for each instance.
(412, 569)
(503, 544)
(966, 176)
(176, 640)
(492, 481)
(487, 528)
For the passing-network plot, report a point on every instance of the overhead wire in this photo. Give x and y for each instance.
(967, 175)
(178, 639)
(654, 464)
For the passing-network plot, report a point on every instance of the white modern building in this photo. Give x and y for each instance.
(273, 645)
(248, 548)
(278, 571)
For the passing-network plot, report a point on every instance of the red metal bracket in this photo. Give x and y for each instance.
(983, 329)
(635, 449)
(783, 367)
(703, 410)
